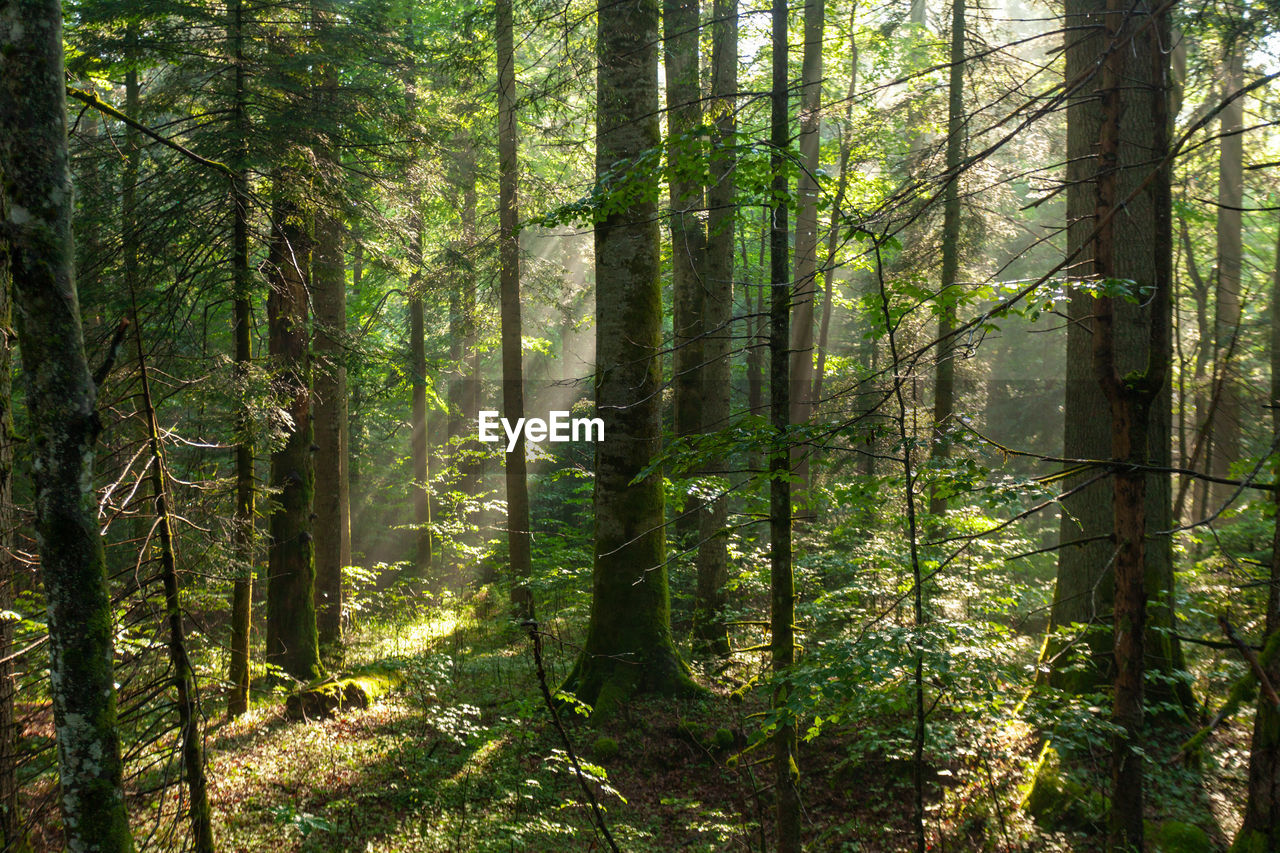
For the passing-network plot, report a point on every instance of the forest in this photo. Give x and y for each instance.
(642, 425)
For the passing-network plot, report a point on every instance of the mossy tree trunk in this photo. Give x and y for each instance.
(628, 648)
(709, 631)
(518, 545)
(62, 420)
(292, 641)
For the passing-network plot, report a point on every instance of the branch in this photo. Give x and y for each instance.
(102, 106)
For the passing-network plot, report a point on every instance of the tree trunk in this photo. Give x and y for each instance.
(1130, 134)
(781, 581)
(628, 648)
(292, 641)
(944, 386)
(1084, 589)
(806, 244)
(1260, 828)
(11, 834)
(688, 239)
(243, 525)
(332, 498)
(63, 423)
(833, 231)
(1225, 427)
(517, 482)
(709, 630)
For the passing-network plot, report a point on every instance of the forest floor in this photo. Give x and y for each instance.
(462, 756)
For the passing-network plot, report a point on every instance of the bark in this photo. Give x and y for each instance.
(709, 631)
(63, 423)
(945, 371)
(1225, 427)
(806, 243)
(11, 833)
(243, 525)
(292, 641)
(628, 648)
(781, 579)
(1260, 826)
(1084, 590)
(418, 436)
(688, 236)
(332, 498)
(1133, 55)
(756, 344)
(517, 483)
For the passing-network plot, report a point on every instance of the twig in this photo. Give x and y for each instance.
(534, 635)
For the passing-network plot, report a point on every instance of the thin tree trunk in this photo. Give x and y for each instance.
(518, 545)
(418, 439)
(63, 423)
(833, 230)
(781, 581)
(332, 499)
(628, 647)
(11, 834)
(243, 525)
(688, 239)
(709, 630)
(945, 371)
(292, 641)
(1226, 326)
(1260, 827)
(806, 244)
(756, 343)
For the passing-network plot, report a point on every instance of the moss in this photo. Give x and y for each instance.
(1174, 836)
(723, 739)
(605, 748)
(325, 698)
(1056, 800)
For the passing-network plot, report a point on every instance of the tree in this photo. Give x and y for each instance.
(292, 640)
(1083, 593)
(806, 238)
(1132, 131)
(63, 422)
(243, 523)
(709, 629)
(1225, 418)
(945, 372)
(509, 285)
(1260, 828)
(11, 832)
(628, 648)
(782, 594)
(688, 235)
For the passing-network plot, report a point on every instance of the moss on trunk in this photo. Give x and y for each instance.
(629, 648)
